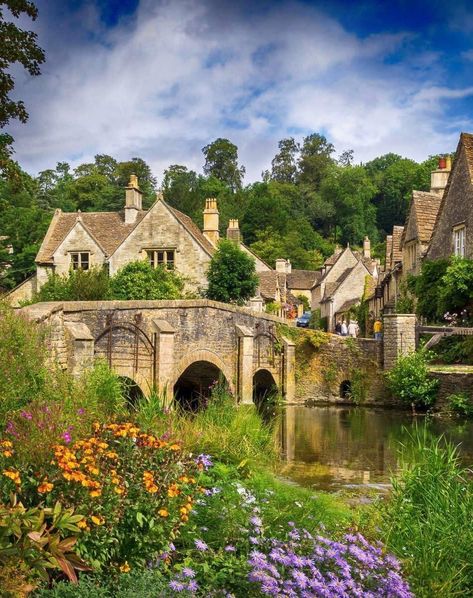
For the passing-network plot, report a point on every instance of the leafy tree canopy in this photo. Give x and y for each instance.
(138, 280)
(221, 161)
(231, 275)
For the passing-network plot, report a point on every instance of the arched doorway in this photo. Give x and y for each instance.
(345, 389)
(132, 393)
(264, 387)
(194, 386)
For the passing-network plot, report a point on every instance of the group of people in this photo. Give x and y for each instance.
(350, 329)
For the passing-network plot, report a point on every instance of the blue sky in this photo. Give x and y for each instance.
(160, 79)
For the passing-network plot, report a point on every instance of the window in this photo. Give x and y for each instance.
(161, 257)
(80, 260)
(459, 241)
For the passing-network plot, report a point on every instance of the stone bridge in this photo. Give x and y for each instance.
(177, 347)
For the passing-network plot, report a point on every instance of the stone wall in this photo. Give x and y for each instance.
(452, 383)
(320, 372)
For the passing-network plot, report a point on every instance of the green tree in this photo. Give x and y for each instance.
(349, 190)
(77, 285)
(427, 288)
(315, 159)
(284, 163)
(221, 161)
(139, 281)
(409, 380)
(231, 275)
(17, 47)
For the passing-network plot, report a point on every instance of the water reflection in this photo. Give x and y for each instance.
(335, 448)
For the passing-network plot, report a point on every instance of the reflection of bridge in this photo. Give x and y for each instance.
(177, 347)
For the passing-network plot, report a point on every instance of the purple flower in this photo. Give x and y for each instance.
(204, 461)
(26, 415)
(253, 540)
(256, 521)
(176, 586)
(188, 572)
(67, 437)
(192, 586)
(81, 411)
(200, 545)
(230, 548)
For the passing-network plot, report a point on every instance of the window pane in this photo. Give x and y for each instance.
(75, 261)
(170, 260)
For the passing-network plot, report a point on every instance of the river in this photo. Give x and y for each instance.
(355, 449)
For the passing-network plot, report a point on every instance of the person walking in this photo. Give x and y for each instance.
(343, 329)
(353, 329)
(378, 329)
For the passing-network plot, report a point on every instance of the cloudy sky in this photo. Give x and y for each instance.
(159, 79)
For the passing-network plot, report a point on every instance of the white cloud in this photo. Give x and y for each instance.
(164, 83)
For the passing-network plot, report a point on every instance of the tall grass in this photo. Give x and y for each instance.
(230, 433)
(429, 520)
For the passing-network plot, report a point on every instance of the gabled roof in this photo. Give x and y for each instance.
(303, 279)
(396, 252)
(108, 229)
(465, 141)
(424, 210)
(270, 282)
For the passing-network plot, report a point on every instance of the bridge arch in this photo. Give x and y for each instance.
(196, 373)
(264, 385)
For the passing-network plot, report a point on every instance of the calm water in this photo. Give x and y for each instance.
(354, 448)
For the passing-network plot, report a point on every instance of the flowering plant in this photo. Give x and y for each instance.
(135, 490)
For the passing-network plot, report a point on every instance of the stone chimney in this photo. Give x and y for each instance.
(133, 200)
(283, 266)
(211, 221)
(439, 177)
(233, 231)
(367, 248)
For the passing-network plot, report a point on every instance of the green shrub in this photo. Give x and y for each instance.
(454, 349)
(456, 289)
(427, 520)
(427, 289)
(77, 285)
(139, 281)
(23, 372)
(409, 380)
(461, 404)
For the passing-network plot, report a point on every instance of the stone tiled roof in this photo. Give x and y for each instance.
(303, 279)
(466, 141)
(269, 282)
(346, 306)
(396, 252)
(108, 229)
(425, 207)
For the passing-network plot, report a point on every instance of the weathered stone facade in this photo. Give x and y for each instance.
(324, 371)
(154, 342)
(456, 210)
(399, 337)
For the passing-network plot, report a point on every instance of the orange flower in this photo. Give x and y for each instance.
(95, 493)
(98, 519)
(45, 486)
(152, 489)
(7, 453)
(184, 517)
(82, 524)
(175, 447)
(111, 455)
(125, 567)
(13, 475)
(6, 444)
(163, 513)
(119, 490)
(173, 490)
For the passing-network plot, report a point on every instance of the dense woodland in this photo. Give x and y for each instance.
(305, 203)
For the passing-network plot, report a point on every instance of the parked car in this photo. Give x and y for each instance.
(303, 321)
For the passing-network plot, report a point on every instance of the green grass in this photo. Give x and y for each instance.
(428, 520)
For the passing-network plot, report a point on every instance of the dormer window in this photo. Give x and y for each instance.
(459, 240)
(80, 260)
(161, 257)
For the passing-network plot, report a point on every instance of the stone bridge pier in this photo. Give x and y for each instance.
(179, 348)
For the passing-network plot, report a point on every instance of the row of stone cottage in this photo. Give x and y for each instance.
(439, 225)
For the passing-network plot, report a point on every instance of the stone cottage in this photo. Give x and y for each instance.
(453, 231)
(162, 235)
(343, 281)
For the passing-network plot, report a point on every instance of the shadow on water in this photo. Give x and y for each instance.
(355, 448)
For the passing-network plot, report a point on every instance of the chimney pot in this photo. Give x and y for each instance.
(211, 221)
(233, 230)
(442, 163)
